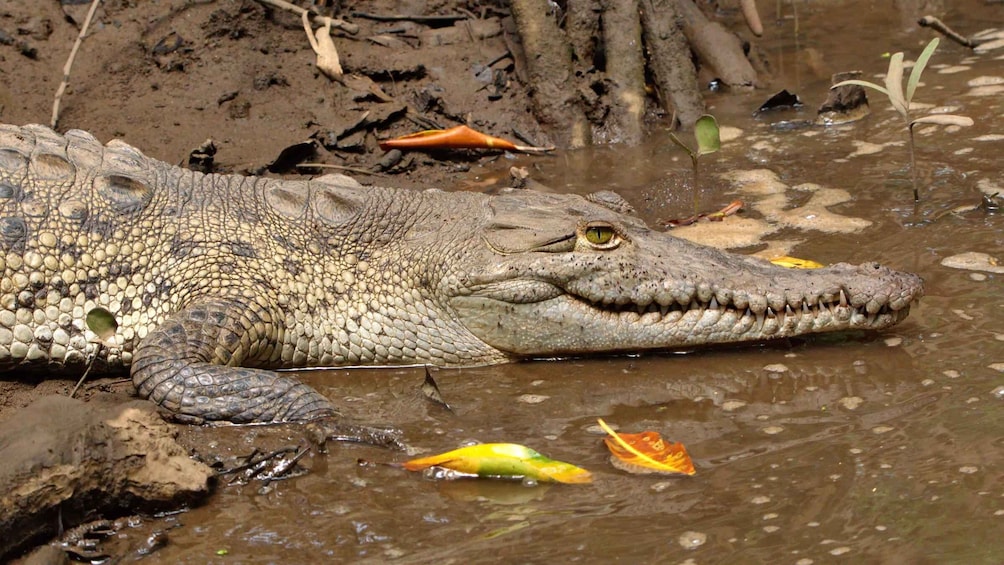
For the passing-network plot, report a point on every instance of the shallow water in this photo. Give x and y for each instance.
(863, 448)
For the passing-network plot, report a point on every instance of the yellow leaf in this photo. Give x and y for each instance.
(647, 452)
(796, 263)
(507, 460)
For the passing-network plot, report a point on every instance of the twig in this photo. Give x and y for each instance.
(69, 63)
(319, 20)
(940, 27)
(89, 364)
(400, 17)
(340, 168)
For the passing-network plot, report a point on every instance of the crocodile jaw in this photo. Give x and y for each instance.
(571, 321)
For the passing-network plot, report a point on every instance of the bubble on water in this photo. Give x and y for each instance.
(996, 367)
(804, 561)
(999, 337)
(692, 540)
(532, 398)
(770, 516)
(660, 486)
(881, 528)
(951, 373)
(760, 499)
(851, 402)
(893, 341)
(998, 392)
(963, 151)
(927, 382)
(776, 368)
(962, 314)
(999, 513)
(773, 430)
(813, 524)
(771, 529)
(732, 405)
(529, 482)
(393, 553)
(882, 429)
(968, 469)
(984, 81)
(840, 550)
(978, 277)
(537, 382)
(762, 417)
(856, 451)
(972, 400)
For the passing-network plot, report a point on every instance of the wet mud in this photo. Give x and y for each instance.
(867, 448)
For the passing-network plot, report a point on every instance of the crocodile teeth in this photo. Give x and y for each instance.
(843, 298)
(713, 305)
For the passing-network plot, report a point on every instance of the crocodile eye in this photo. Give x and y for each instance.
(602, 236)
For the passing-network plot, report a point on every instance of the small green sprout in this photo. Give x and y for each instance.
(706, 132)
(901, 101)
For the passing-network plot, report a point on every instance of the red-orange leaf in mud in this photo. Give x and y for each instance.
(460, 137)
(646, 453)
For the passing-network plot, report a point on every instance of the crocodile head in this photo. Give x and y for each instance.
(555, 275)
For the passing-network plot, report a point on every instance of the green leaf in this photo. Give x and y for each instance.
(918, 69)
(894, 84)
(863, 83)
(706, 132)
(682, 145)
(102, 322)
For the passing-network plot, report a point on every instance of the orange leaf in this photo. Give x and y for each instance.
(460, 137)
(647, 452)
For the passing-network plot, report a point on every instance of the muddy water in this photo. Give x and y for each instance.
(861, 448)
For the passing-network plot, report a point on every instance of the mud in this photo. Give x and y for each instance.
(63, 461)
(869, 448)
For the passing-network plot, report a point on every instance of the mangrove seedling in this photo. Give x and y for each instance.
(708, 141)
(901, 101)
(103, 323)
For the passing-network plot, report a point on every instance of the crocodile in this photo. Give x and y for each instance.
(218, 281)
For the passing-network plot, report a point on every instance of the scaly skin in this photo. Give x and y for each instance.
(215, 280)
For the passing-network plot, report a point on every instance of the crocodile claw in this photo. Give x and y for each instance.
(325, 429)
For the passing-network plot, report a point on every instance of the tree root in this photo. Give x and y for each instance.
(549, 70)
(671, 64)
(587, 78)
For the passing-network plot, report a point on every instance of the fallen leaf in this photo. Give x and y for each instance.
(796, 263)
(646, 453)
(460, 137)
(506, 460)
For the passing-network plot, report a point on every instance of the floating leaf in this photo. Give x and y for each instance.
(918, 69)
(706, 132)
(796, 263)
(460, 137)
(102, 322)
(506, 460)
(646, 453)
(944, 120)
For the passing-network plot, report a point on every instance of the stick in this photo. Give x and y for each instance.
(69, 62)
(340, 168)
(940, 27)
(400, 18)
(319, 20)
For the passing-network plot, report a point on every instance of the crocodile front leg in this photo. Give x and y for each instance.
(191, 365)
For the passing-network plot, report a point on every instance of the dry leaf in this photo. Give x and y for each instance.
(460, 137)
(506, 460)
(796, 263)
(646, 453)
